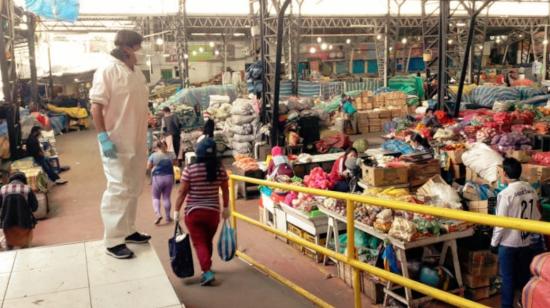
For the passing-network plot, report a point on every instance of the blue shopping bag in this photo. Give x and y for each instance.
(227, 243)
(181, 257)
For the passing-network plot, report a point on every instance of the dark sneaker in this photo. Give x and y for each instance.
(138, 238)
(158, 220)
(207, 278)
(64, 168)
(120, 252)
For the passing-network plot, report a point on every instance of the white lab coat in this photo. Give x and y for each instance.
(123, 94)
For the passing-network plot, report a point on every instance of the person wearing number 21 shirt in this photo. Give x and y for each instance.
(515, 248)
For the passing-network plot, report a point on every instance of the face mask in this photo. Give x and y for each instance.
(140, 57)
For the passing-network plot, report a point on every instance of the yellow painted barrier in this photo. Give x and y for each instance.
(349, 258)
(477, 218)
(409, 283)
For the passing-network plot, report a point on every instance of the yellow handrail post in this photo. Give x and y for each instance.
(232, 205)
(351, 252)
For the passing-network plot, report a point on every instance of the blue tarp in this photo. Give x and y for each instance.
(65, 10)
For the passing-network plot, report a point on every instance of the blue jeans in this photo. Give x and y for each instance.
(47, 167)
(514, 270)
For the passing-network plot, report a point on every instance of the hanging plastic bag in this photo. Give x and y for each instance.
(227, 245)
(181, 257)
(390, 259)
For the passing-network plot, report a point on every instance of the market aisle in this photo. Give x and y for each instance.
(75, 217)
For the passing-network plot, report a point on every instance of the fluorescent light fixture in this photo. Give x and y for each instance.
(461, 24)
(312, 50)
(404, 40)
(379, 37)
(185, 56)
(450, 41)
(201, 49)
(148, 62)
(159, 41)
(545, 42)
(348, 41)
(391, 48)
(330, 47)
(319, 39)
(324, 46)
(76, 80)
(480, 47)
(194, 53)
(211, 44)
(217, 52)
(238, 34)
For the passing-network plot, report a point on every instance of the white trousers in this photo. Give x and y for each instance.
(125, 177)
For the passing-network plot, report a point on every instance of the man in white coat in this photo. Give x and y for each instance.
(119, 107)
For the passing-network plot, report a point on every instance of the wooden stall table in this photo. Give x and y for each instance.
(448, 240)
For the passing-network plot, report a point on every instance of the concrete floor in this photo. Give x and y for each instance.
(75, 217)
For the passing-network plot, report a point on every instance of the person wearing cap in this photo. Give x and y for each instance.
(17, 203)
(200, 186)
(119, 97)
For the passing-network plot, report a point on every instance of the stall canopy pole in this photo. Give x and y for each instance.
(31, 20)
(278, 56)
(456, 109)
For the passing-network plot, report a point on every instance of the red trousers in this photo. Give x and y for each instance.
(202, 226)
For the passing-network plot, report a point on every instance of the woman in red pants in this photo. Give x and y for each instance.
(200, 186)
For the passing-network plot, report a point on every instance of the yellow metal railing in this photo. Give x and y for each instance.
(349, 258)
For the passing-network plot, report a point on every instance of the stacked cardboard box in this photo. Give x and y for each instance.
(480, 267)
(378, 176)
(363, 121)
(394, 102)
(371, 286)
(420, 173)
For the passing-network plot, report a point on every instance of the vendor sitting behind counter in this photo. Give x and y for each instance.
(279, 164)
(343, 169)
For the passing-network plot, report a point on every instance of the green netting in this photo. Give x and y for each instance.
(411, 85)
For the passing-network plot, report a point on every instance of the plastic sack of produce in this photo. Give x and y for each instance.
(511, 141)
(483, 160)
(242, 107)
(397, 146)
(242, 119)
(227, 245)
(535, 293)
(318, 178)
(390, 260)
(402, 229)
(542, 158)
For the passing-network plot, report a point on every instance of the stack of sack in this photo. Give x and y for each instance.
(220, 111)
(241, 131)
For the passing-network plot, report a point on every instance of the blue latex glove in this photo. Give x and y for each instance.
(107, 146)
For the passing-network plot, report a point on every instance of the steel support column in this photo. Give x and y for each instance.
(444, 11)
(467, 50)
(31, 25)
(277, 86)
